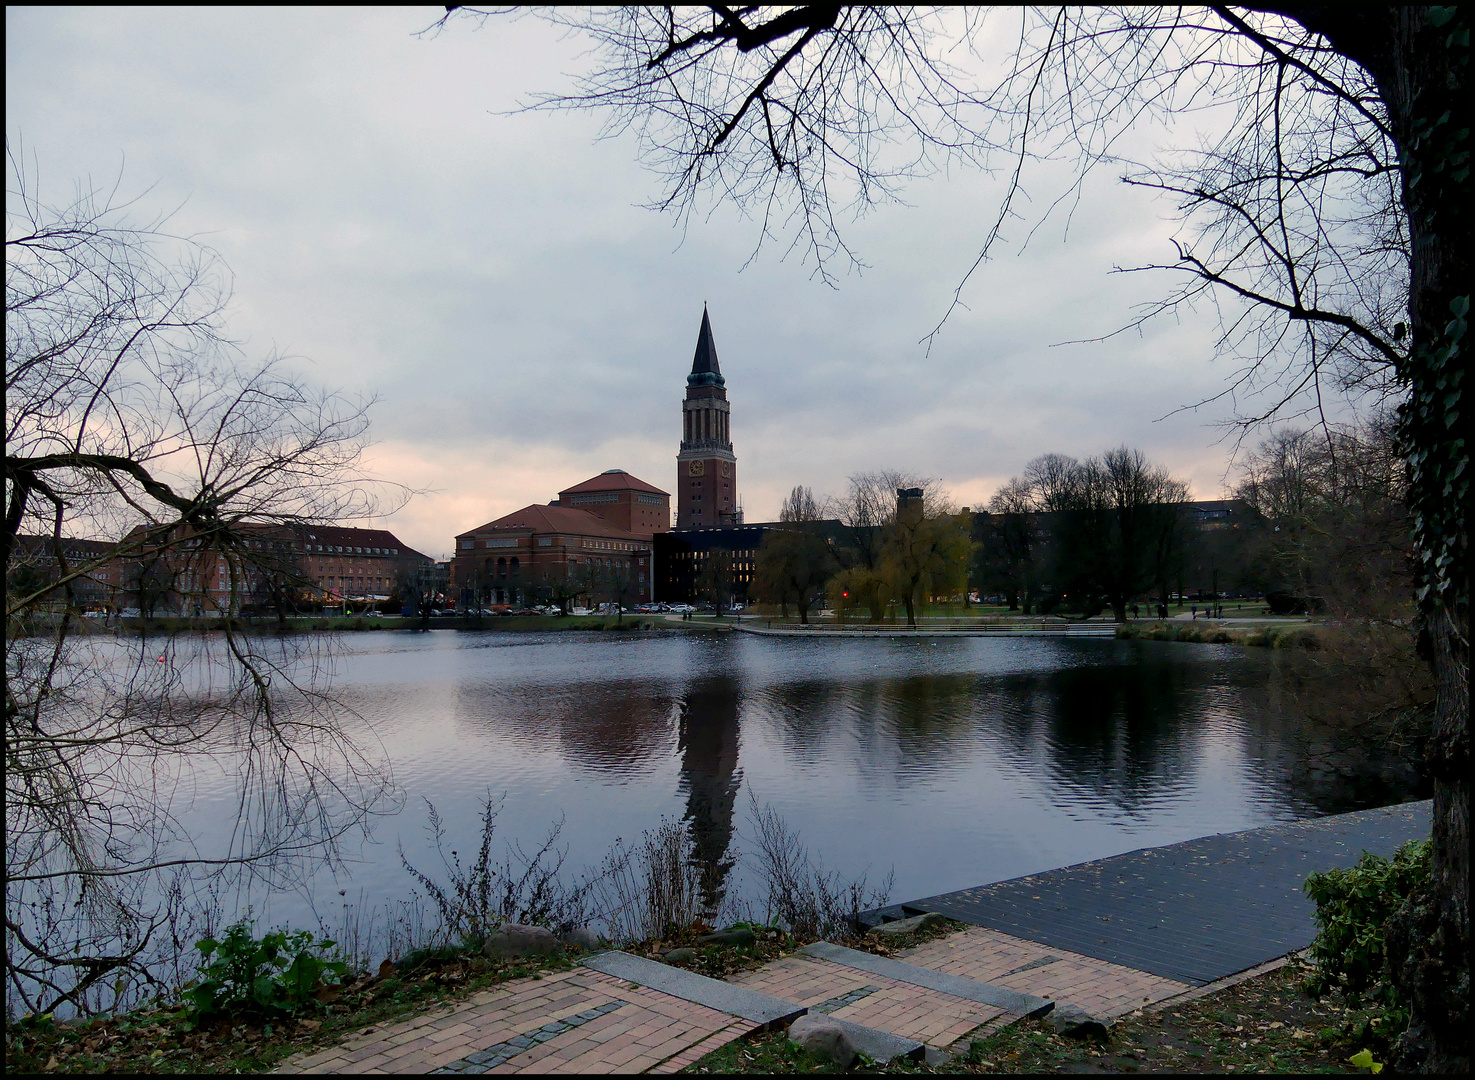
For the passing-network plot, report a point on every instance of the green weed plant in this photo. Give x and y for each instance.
(281, 974)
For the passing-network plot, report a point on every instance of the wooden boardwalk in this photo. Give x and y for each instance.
(1192, 912)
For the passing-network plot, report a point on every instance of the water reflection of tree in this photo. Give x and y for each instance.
(1124, 734)
(605, 728)
(1121, 734)
(901, 726)
(1300, 759)
(710, 778)
(932, 716)
(805, 717)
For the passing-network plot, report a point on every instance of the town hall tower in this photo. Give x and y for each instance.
(706, 470)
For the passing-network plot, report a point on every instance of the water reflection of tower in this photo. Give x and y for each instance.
(710, 777)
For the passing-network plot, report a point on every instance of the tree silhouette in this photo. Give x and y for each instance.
(1329, 222)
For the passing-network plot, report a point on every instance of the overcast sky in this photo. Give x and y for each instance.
(526, 323)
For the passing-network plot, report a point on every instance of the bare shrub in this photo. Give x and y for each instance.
(653, 889)
(808, 900)
(484, 894)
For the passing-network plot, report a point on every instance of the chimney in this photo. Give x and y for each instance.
(909, 505)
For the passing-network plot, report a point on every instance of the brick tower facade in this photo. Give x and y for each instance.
(706, 470)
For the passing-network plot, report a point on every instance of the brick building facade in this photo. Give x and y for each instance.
(623, 500)
(591, 544)
(36, 561)
(284, 567)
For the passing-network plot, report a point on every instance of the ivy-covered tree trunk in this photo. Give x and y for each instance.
(1430, 961)
(1419, 58)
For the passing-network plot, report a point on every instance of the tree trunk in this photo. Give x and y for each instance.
(1430, 957)
(1429, 937)
(1419, 59)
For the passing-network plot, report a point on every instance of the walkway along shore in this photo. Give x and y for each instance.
(1141, 930)
(1037, 628)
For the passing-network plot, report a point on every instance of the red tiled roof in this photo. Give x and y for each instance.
(345, 536)
(334, 535)
(555, 519)
(30, 547)
(614, 480)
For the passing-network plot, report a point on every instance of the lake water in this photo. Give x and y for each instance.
(952, 762)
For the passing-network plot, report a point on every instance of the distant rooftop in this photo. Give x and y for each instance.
(613, 480)
(555, 519)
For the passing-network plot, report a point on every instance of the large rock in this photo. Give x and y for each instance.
(514, 939)
(822, 1036)
(680, 956)
(738, 936)
(899, 927)
(581, 936)
(1074, 1022)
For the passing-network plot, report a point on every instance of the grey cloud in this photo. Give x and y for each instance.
(495, 280)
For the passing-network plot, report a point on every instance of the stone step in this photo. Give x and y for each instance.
(881, 1046)
(1000, 997)
(765, 1009)
(689, 986)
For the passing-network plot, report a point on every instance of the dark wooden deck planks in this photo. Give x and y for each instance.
(1195, 911)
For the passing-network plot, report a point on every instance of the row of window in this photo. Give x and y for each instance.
(547, 541)
(352, 550)
(263, 545)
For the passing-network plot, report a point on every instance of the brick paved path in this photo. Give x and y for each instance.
(913, 1012)
(645, 1031)
(584, 1021)
(1097, 986)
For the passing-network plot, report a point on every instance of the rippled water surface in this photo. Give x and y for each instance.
(955, 762)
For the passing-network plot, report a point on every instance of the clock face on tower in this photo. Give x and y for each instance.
(727, 468)
(695, 468)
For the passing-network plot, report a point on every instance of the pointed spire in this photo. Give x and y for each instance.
(704, 369)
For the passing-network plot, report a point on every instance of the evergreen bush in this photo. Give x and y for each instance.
(1353, 906)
